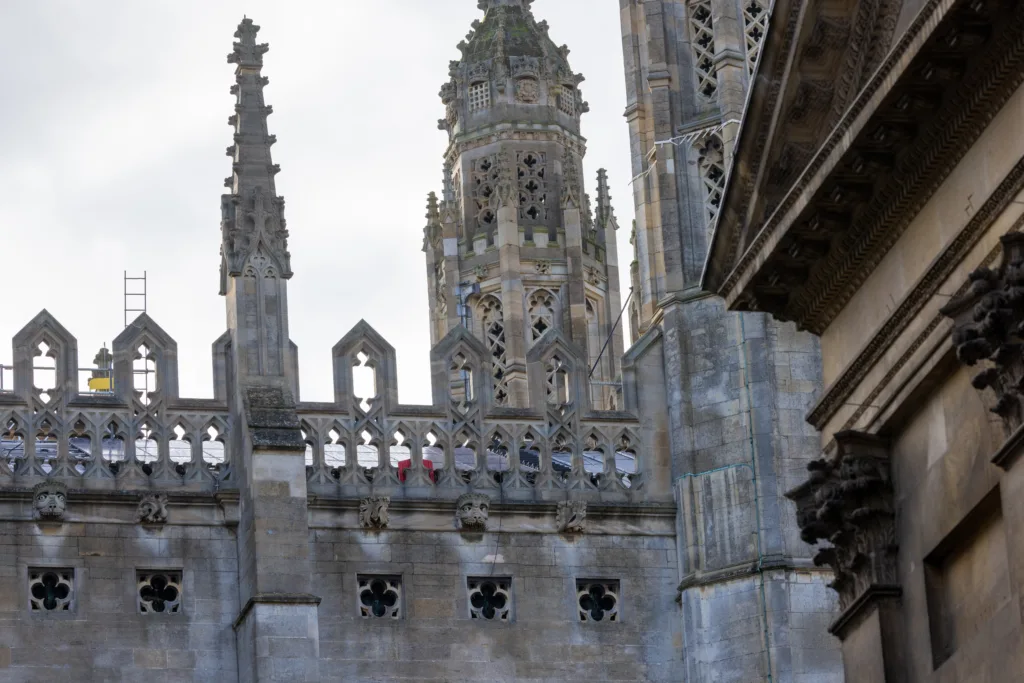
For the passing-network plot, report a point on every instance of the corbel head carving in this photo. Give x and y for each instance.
(471, 511)
(49, 500)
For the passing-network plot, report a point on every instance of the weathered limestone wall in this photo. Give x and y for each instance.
(105, 638)
(960, 562)
(739, 442)
(436, 640)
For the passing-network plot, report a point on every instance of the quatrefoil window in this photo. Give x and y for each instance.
(159, 592)
(51, 590)
(380, 597)
(598, 600)
(490, 599)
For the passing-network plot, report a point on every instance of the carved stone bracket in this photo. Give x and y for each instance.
(152, 509)
(571, 516)
(471, 511)
(49, 500)
(373, 512)
(988, 330)
(848, 502)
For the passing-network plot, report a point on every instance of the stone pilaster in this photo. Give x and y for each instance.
(848, 502)
(572, 221)
(510, 266)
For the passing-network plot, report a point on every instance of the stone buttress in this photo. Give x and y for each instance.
(277, 628)
(738, 385)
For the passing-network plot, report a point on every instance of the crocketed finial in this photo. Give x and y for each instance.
(247, 52)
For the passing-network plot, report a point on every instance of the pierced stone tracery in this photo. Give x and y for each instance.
(51, 590)
(380, 597)
(711, 162)
(543, 313)
(485, 175)
(755, 25)
(479, 96)
(159, 592)
(567, 100)
(493, 322)
(598, 600)
(533, 197)
(490, 599)
(702, 36)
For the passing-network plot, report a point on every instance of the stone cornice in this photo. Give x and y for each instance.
(1011, 450)
(963, 69)
(870, 98)
(920, 294)
(527, 132)
(275, 599)
(700, 579)
(907, 356)
(870, 597)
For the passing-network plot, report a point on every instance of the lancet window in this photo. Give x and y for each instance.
(702, 38)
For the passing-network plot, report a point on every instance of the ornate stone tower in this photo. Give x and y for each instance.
(513, 248)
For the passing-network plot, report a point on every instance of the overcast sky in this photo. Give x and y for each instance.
(113, 126)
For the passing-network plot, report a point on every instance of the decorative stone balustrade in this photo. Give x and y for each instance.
(139, 434)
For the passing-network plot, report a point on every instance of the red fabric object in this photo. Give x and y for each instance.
(403, 465)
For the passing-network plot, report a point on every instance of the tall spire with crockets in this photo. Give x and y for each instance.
(255, 264)
(253, 225)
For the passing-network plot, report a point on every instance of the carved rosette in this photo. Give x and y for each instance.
(848, 503)
(373, 512)
(988, 330)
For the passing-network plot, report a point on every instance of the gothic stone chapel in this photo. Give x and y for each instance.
(565, 509)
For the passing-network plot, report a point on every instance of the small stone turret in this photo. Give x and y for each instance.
(516, 251)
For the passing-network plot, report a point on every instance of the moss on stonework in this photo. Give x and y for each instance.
(521, 38)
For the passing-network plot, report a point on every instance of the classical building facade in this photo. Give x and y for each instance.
(896, 238)
(738, 384)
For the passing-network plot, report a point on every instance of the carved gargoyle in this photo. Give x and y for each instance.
(988, 330)
(471, 510)
(373, 512)
(571, 516)
(848, 502)
(152, 509)
(49, 500)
